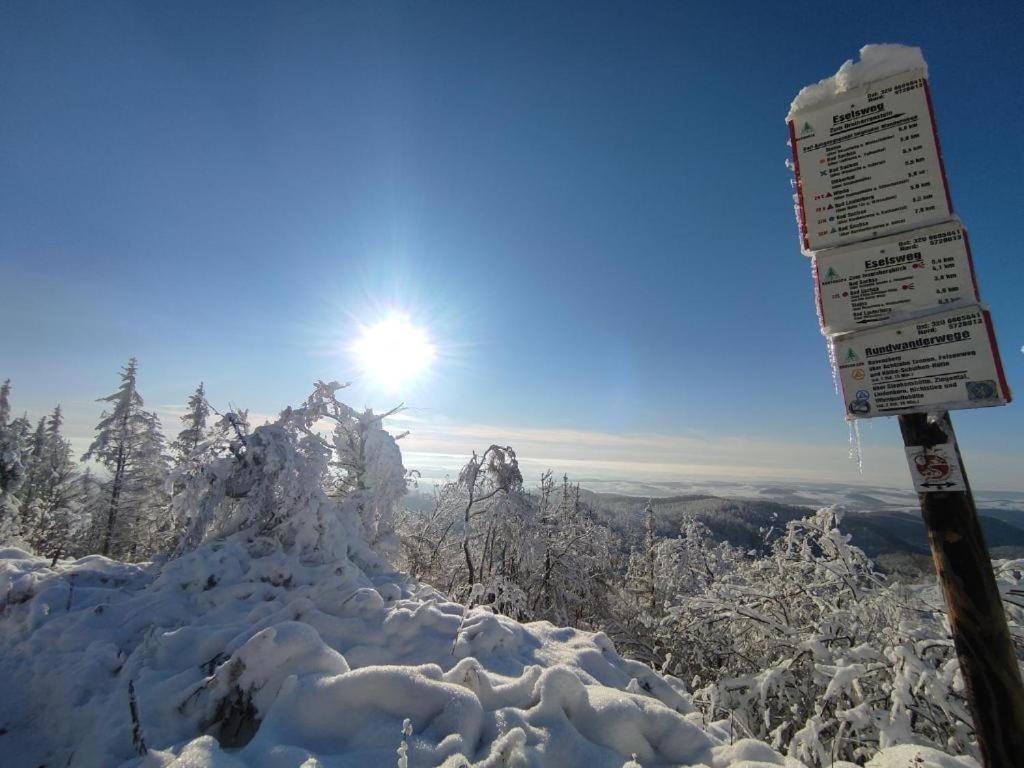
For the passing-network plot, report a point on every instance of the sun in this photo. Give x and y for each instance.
(394, 351)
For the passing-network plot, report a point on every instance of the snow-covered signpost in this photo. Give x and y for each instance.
(898, 299)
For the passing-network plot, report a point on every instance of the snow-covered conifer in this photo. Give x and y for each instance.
(129, 445)
(55, 515)
(35, 472)
(12, 470)
(195, 431)
(147, 505)
(5, 402)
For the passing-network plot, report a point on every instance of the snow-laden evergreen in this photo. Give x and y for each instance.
(55, 512)
(12, 468)
(42, 493)
(129, 444)
(196, 429)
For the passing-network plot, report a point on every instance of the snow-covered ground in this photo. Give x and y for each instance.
(238, 654)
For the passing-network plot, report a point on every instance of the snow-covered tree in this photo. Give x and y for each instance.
(93, 500)
(189, 483)
(196, 430)
(5, 402)
(130, 446)
(474, 543)
(657, 572)
(146, 503)
(365, 464)
(570, 582)
(270, 485)
(430, 547)
(12, 469)
(35, 471)
(492, 513)
(528, 555)
(52, 513)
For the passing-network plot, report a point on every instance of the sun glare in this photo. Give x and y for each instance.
(393, 351)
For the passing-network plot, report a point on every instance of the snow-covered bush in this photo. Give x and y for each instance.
(813, 651)
(364, 461)
(528, 555)
(273, 482)
(659, 575)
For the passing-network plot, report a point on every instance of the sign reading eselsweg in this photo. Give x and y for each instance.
(868, 163)
(942, 361)
(892, 278)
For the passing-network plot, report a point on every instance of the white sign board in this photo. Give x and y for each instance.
(893, 278)
(943, 361)
(935, 468)
(868, 164)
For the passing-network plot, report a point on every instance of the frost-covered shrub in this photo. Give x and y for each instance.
(660, 574)
(813, 651)
(275, 482)
(488, 541)
(364, 463)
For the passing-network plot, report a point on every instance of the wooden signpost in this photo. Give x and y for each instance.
(898, 299)
(976, 618)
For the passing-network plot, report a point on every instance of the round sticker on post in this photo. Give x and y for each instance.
(934, 469)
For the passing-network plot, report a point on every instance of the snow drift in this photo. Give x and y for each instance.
(285, 664)
(238, 654)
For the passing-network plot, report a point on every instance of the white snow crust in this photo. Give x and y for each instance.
(242, 655)
(877, 62)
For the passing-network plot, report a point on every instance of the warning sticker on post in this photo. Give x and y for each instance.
(947, 360)
(868, 164)
(893, 278)
(934, 469)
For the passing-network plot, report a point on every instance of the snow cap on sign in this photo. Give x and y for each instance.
(877, 62)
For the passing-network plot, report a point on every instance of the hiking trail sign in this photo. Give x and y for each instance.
(894, 278)
(898, 299)
(940, 361)
(868, 163)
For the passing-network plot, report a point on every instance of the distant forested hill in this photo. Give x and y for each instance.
(741, 522)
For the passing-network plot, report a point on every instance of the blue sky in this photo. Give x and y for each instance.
(585, 203)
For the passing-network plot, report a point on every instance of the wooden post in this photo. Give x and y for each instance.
(982, 639)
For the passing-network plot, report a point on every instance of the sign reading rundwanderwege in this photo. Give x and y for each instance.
(942, 361)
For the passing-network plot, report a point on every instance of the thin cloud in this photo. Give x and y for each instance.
(438, 450)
